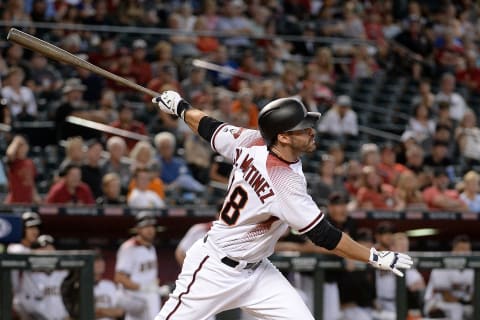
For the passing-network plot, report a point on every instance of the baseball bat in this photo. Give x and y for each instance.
(106, 128)
(53, 52)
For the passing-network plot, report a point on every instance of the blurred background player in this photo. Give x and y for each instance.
(31, 230)
(136, 270)
(449, 292)
(40, 295)
(105, 293)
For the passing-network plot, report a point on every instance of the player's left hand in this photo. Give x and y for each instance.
(391, 261)
(172, 103)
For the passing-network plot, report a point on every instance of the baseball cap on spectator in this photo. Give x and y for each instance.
(139, 44)
(73, 84)
(344, 101)
(337, 198)
(385, 227)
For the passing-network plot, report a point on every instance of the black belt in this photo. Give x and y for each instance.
(233, 263)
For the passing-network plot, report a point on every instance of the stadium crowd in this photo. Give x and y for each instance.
(409, 69)
(421, 55)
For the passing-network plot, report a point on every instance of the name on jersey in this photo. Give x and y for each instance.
(254, 178)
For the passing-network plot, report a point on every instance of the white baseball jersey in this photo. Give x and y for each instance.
(140, 264)
(15, 248)
(458, 282)
(105, 295)
(386, 284)
(145, 199)
(265, 196)
(40, 294)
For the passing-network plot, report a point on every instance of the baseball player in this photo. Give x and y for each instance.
(105, 293)
(136, 271)
(40, 291)
(31, 222)
(267, 193)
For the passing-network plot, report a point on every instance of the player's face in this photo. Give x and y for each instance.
(303, 140)
(147, 233)
(31, 234)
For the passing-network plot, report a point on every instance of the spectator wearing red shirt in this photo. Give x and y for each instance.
(21, 173)
(126, 122)
(123, 67)
(439, 197)
(70, 189)
(374, 194)
(388, 166)
(468, 73)
(141, 68)
(107, 54)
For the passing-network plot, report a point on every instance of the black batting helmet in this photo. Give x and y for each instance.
(145, 218)
(31, 219)
(282, 115)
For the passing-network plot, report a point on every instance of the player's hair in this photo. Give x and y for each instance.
(165, 136)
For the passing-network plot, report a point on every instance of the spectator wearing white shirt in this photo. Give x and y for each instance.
(141, 196)
(470, 193)
(20, 99)
(457, 103)
(341, 119)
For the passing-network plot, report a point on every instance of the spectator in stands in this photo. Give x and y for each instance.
(363, 65)
(457, 104)
(116, 163)
(415, 40)
(14, 58)
(305, 92)
(142, 155)
(325, 69)
(327, 182)
(94, 89)
(449, 292)
(248, 65)
(111, 188)
(101, 15)
(70, 189)
(466, 136)
(470, 74)
(306, 45)
(73, 104)
(425, 97)
(235, 25)
(420, 124)
(470, 194)
(336, 150)
(21, 173)
(141, 196)
(123, 66)
(438, 156)
(370, 154)
(20, 98)
(141, 68)
(353, 174)
(131, 13)
(222, 105)
(106, 55)
(175, 172)
(373, 194)
(92, 169)
(163, 54)
(289, 83)
(127, 122)
(244, 111)
(340, 120)
(439, 197)
(195, 84)
(105, 292)
(108, 105)
(205, 44)
(221, 58)
(388, 167)
(183, 44)
(44, 80)
(407, 192)
(74, 153)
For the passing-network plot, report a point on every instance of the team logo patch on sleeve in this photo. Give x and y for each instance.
(236, 132)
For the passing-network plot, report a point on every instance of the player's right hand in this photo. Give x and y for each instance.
(172, 103)
(391, 261)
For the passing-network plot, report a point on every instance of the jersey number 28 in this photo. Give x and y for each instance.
(237, 200)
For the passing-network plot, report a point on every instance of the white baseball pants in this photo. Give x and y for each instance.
(207, 286)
